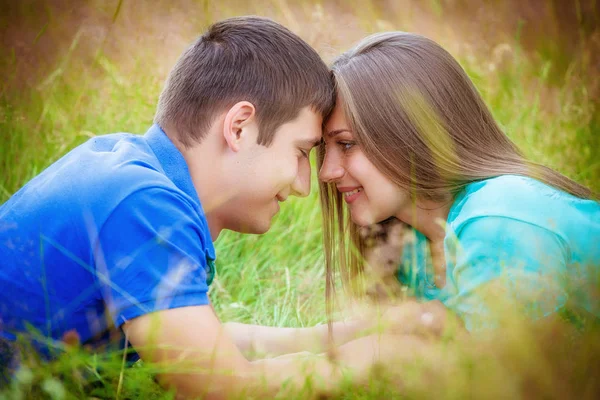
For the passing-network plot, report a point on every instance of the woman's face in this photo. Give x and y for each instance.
(370, 195)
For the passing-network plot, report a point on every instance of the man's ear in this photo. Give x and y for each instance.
(236, 123)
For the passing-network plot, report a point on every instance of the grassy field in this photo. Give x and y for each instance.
(73, 73)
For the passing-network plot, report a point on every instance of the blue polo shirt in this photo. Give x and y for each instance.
(111, 231)
(512, 241)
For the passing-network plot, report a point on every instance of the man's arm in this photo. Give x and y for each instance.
(409, 317)
(198, 360)
(259, 341)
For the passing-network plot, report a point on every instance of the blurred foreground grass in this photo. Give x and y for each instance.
(72, 72)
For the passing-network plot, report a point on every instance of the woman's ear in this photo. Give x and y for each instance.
(237, 120)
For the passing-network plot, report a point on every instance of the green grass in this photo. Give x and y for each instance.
(278, 278)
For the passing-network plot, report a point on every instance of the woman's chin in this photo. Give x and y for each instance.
(364, 218)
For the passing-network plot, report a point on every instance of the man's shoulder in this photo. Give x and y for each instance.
(115, 154)
(111, 166)
(91, 179)
(122, 165)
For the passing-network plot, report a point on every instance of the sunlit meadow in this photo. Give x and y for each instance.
(71, 72)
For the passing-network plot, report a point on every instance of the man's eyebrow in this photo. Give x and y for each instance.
(336, 132)
(311, 142)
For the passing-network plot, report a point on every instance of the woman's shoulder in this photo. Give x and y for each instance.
(519, 198)
(513, 187)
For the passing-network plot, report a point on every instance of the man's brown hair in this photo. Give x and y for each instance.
(244, 58)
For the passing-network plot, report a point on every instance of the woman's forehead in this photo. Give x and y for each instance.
(337, 121)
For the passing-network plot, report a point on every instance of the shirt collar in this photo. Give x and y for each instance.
(176, 170)
(171, 160)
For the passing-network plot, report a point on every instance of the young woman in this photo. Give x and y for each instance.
(411, 139)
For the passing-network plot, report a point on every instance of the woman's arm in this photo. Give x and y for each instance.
(503, 266)
(197, 360)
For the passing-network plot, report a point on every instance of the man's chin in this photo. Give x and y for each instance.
(258, 227)
(261, 229)
(256, 223)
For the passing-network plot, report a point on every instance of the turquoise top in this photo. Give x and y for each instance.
(512, 238)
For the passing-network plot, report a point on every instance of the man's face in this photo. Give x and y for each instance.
(266, 176)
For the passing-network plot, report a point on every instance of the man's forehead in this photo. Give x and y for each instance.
(314, 129)
(306, 129)
(312, 140)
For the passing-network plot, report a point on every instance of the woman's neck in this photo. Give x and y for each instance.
(428, 217)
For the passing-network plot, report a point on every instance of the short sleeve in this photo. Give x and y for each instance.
(503, 262)
(152, 255)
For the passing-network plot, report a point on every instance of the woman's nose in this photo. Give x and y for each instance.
(331, 170)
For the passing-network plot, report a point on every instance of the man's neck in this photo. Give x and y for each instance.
(204, 168)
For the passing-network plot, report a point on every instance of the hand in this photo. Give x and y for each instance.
(395, 358)
(430, 319)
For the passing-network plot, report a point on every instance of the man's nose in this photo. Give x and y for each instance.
(301, 185)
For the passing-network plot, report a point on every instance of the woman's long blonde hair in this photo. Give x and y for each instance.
(419, 119)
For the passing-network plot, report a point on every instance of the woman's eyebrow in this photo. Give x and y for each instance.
(337, 132)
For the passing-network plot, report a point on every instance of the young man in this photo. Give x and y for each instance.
(119, 232)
